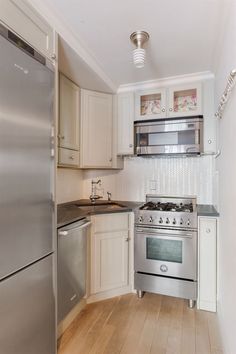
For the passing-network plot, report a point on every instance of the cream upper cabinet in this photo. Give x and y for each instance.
(96, 129)
(69, 113)
(110, 240)
(125, 123)
(207, 263)
(21, 18)
(150, 104)
(170, 102)
(209, 131)
(185, 100)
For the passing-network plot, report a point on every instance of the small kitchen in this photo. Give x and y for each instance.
(130, 153)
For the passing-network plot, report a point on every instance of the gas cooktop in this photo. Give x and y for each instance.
(167, 211)
(168, 206)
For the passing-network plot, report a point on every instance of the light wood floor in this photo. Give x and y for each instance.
(154, 324)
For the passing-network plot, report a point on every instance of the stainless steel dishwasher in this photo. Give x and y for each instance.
(72, 261)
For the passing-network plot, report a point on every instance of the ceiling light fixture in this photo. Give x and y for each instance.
(139, 38)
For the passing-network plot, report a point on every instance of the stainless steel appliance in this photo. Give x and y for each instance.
(169, 136)
(27, 298)
(72, 265)
(165, 247)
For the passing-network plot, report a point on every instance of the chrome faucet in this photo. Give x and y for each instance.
(93, 197)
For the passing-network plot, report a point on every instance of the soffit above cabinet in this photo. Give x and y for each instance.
(76, 69)
(184, 34)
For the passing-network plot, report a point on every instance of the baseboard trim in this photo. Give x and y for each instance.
(109, 294)
(64, 324)
(207, 306)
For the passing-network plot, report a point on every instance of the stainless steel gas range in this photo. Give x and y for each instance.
(165, 247)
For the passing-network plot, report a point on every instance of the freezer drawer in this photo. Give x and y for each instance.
(72, 261)
(27, 311)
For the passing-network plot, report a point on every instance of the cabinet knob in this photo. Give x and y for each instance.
(53, 56)
(209, 141)
(208, 231)
(110, 159)
(130, 145)
(127, 239)
(72, 157)
(163, 110)
(61, 136)
(170, 109)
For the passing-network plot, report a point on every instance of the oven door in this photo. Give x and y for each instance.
(171, 253)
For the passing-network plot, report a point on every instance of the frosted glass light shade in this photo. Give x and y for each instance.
(139, 57)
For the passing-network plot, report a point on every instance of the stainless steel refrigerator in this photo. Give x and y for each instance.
(27, 301)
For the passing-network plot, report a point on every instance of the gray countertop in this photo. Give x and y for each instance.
(71, 212)
(207, 210)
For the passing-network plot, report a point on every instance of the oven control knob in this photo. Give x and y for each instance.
(181, 221)
(164, 268)
(160, 221)
(167, 221)
(188, 222)
(151, 219)
(174, 222)
(140, 219)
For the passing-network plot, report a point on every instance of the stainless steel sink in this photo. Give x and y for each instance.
(100, 206)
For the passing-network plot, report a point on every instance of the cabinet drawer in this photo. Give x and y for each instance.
(68, 157)
(111, 222)
(22, 19)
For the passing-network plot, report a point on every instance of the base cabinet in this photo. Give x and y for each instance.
(111, 257)
(207, 264)
(110, 246)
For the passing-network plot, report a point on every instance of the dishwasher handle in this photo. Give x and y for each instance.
(80, 227)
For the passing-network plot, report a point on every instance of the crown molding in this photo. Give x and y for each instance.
(73, 41)
(168, 81)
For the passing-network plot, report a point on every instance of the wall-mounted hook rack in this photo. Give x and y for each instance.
(226, 94)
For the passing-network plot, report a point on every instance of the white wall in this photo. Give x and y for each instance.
(69, 185)
(226, 164)
(173, 176)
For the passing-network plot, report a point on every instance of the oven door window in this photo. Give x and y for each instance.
(164, 250)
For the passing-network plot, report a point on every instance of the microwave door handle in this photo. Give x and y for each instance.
(197, 137)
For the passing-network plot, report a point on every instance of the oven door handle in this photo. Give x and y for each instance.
(158, 233)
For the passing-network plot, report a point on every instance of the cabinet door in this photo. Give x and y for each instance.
(110, 262)
(207, 263)
(150, 104)
(125, 124)
(185, 100)
(96, 129)
(69, 114)
(209, 120)
(19, 16)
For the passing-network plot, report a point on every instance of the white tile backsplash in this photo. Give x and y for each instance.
(172, 176)
(69, 185)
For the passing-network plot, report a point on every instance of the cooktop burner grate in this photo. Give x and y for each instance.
(168, 206)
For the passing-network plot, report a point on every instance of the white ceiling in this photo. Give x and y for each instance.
(183, 34)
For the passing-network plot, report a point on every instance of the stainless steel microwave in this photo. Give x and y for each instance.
(169, 136)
